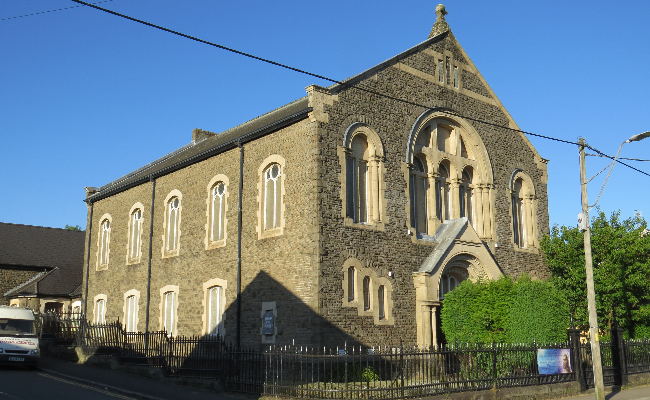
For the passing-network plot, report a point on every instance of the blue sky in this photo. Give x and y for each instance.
(87, 97)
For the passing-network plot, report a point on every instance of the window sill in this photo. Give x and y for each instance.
(134, 261)
(531, 250)
(268, 233)
(371, 226)
(170, 254)
(216, 244)
(101, 267)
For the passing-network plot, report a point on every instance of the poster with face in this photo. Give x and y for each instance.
(554, 361)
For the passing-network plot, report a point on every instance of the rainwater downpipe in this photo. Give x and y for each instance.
(90, 230)
(146, 320)
(239, 232)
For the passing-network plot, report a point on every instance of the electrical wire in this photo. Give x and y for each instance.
(49, 11)
(342, 82)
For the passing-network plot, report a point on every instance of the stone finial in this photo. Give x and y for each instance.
(440, 25)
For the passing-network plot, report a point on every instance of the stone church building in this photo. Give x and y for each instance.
(344, 216)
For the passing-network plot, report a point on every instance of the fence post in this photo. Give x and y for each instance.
(618, 353)
(401, 365)
(578, 368)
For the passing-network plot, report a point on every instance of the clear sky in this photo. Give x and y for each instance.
(87, 97)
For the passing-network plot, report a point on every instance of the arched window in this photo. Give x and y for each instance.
(442, 193)
(136, 230)
(524, 211)
(272, 196)
(351, 287)
(173, 210)
(362, 188)
(105, 233)
(218, 212)
(357, 179)
(419, 186)
(366, 293)
(131, 313)
(465, 195)
(100, 311)
(447, 284)
(214, 310)
(381, 302)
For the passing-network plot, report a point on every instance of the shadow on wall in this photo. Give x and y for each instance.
(288, 319)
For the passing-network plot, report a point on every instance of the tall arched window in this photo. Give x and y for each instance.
(460, 179)
(131, 313)
(218, 212)
(465, 195)
(366, 293)
(351, 287)
(362, 188)
(100, 311)
(419, 186)
(104, 242)
(173, 208)
(381, 302)
(524, 211)
(136, 230)
(357, 178)
(442, 193)
(272, 196)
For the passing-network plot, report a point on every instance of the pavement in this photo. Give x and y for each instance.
(126, 383)
(638, 393)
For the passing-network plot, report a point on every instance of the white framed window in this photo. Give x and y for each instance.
(172, 229)
(169, 312)
(272, 196)
(172, 224)
(130, 317)
(272, 175)
(218, 212)
(100, 309)
(136, 233)
(214, 309)
(105, 233)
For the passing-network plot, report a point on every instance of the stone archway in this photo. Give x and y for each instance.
(459, 253)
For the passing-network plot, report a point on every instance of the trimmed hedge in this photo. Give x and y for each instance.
(505, 311)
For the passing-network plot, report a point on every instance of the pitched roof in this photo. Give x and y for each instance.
(60, 251)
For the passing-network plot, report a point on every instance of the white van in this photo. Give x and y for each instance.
(18, 339)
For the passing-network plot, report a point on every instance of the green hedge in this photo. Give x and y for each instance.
(505, 311)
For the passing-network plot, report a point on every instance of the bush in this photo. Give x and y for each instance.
(505, 311)
(356, 373)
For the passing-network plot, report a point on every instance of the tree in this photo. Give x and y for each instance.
(621, 259)
(73, 228)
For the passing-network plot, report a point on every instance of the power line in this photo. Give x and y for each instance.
(49, 11)
(358, 87)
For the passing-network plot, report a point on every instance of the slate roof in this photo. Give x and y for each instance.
(59, 251)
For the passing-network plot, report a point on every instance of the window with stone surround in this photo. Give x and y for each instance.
(214, 300)
(448, 173)
(372, 296)
(169, 309)
(217, 207)
(100, 308)
(131, 310)
(362, 171)
(134, 246)
(523, 211)
(271, 197)
(172, 224)
(103, 242)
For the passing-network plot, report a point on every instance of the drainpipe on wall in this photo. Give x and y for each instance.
(146, 318)
(239, 232)
(84, 311)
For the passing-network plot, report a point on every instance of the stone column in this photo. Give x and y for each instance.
(490, 230)
(431, 202)
(374, 167)
(454, 198)
(478, 210)
(529, 221)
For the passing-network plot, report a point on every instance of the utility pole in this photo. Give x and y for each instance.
(591, 293)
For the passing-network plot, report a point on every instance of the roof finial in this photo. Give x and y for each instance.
(440, 25)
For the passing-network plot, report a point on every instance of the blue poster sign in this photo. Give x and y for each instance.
(554, 361)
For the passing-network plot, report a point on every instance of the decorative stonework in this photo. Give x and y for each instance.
(440, 26)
